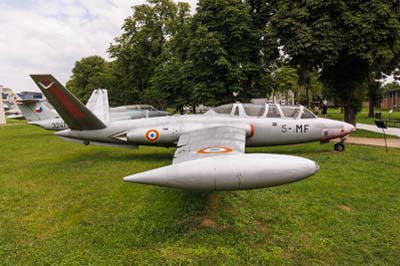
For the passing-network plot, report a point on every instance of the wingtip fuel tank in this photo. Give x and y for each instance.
(239, 172)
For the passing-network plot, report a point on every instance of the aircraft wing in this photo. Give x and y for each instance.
(209, 142)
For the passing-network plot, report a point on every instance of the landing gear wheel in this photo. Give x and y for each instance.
(339, 147)
(86, 142)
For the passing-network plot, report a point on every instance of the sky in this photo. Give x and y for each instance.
(48, 37)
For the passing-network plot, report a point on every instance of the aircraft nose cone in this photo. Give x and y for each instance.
(349, 128)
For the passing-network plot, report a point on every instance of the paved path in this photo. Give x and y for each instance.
(390, 130)
(394, 143)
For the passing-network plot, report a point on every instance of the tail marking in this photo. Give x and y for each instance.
(70, 106)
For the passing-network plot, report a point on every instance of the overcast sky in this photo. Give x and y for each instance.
(39, 36)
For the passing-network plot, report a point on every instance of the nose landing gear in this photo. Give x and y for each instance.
(340, 145)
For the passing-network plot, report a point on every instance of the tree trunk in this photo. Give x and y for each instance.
(305, 81)
(350, 114)
(371, 106)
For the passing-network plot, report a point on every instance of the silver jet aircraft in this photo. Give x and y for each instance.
(42, 114)
(210, 152)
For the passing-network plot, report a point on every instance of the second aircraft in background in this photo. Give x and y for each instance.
(43, 114)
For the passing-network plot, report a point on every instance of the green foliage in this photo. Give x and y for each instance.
(392, 86)
(362, 117)
(166, 56)
(89, 73)
(285, 78)
(347, 40)
(169, 82)
(145, 35)
(222, 42)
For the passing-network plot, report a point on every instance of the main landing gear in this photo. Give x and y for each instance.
(340, 145)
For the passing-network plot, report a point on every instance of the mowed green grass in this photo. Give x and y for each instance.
(66, 204)
(362, 117)
(369, 134)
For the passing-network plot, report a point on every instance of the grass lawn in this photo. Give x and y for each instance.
(15, 121)
(369, 134)
(362, 117)
(66, 204)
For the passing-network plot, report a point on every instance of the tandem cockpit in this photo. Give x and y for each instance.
(263, 111)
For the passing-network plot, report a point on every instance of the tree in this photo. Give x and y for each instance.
(285, 78)
(168, 84)
(392, 86)
(137, 50)
(346, 40)
(222, 43)
(374, 87)
(168, 87)
(89, 73)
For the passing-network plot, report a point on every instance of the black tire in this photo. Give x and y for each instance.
(86, 142)
(339, 147)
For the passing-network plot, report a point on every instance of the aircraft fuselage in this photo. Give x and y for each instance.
(165, 131)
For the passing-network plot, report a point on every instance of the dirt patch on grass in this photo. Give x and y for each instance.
(345, 208)
(212, 204)
(262, 227)
(208, 222)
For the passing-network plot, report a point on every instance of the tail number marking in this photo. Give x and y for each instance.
(297, 129)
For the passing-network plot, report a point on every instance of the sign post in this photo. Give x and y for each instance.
(382, 125)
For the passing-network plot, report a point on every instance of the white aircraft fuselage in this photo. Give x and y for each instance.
(262, 131)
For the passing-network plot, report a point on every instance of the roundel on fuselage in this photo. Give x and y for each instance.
(152, 135)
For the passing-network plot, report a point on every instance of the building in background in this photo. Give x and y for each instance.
(10, 108)
(391, 100)
(2, 114)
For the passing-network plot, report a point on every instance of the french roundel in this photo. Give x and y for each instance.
(215, 150)
(152, 135)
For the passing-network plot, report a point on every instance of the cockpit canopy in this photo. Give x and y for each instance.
(265, 110)
(134, 107)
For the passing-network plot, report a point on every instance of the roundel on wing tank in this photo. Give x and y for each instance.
(153, 135)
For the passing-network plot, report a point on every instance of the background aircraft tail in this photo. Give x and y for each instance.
(34, 110)
(75, 114)
(98, 104)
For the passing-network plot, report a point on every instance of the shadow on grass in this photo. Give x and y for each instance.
(112, 155)
(293, 149)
